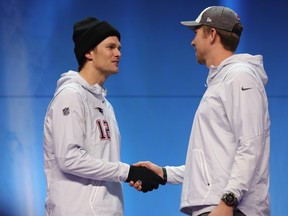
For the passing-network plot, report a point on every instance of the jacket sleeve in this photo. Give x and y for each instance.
(245, 101)
(175, 174)
(66, 120)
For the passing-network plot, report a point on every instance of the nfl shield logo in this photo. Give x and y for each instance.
(66, 111)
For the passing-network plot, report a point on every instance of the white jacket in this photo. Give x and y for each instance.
(229, 146)
(82, 152)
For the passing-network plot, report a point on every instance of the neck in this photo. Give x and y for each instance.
(92, 76)
(219, 57)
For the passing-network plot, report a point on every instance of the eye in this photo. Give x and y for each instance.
(111, 46)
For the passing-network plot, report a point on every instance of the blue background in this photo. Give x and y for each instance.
(155, 94)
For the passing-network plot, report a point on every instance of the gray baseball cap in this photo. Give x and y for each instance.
(218, 17)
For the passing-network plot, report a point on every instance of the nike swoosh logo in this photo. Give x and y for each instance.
(99, 109)
(244, 89)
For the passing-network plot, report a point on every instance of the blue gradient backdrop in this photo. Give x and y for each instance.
(155, 94)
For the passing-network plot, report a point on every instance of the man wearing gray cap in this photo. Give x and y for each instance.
(227, 163)
(81, 135)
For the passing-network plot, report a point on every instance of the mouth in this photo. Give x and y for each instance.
(116, 62)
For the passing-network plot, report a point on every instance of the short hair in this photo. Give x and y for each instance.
(229, 40)
(81, 65)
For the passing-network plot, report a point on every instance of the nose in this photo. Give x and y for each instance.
(118, 53)
(193, 43)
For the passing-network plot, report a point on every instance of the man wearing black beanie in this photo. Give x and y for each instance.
(81, 136)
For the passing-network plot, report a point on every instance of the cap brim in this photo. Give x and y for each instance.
(191, 24)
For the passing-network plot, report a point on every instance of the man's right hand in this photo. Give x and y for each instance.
(145, 179)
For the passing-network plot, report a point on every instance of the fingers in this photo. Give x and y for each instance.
(142, 163)
(149, 165)
(139, 182)
(136, 185)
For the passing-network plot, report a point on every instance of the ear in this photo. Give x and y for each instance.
(212, 36)
(89, 55)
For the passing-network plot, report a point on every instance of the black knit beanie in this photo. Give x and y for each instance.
(88, 33)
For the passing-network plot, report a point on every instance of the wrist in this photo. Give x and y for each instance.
(164, 173)
(225, 209)
(230, 199)
(224, 205)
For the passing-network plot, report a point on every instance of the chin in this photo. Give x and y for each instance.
(114, 72)
(201, 61)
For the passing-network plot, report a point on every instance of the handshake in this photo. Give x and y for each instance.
(146, 178)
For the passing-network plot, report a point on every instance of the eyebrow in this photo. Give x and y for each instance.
(114, 44)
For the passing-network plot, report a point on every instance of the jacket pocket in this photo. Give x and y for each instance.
(94, 193)
(200, 176)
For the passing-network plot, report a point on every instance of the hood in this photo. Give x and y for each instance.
(256, 61)
(74, 77)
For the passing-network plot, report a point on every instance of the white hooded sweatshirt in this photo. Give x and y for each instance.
(229, 146)
(82, 152)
